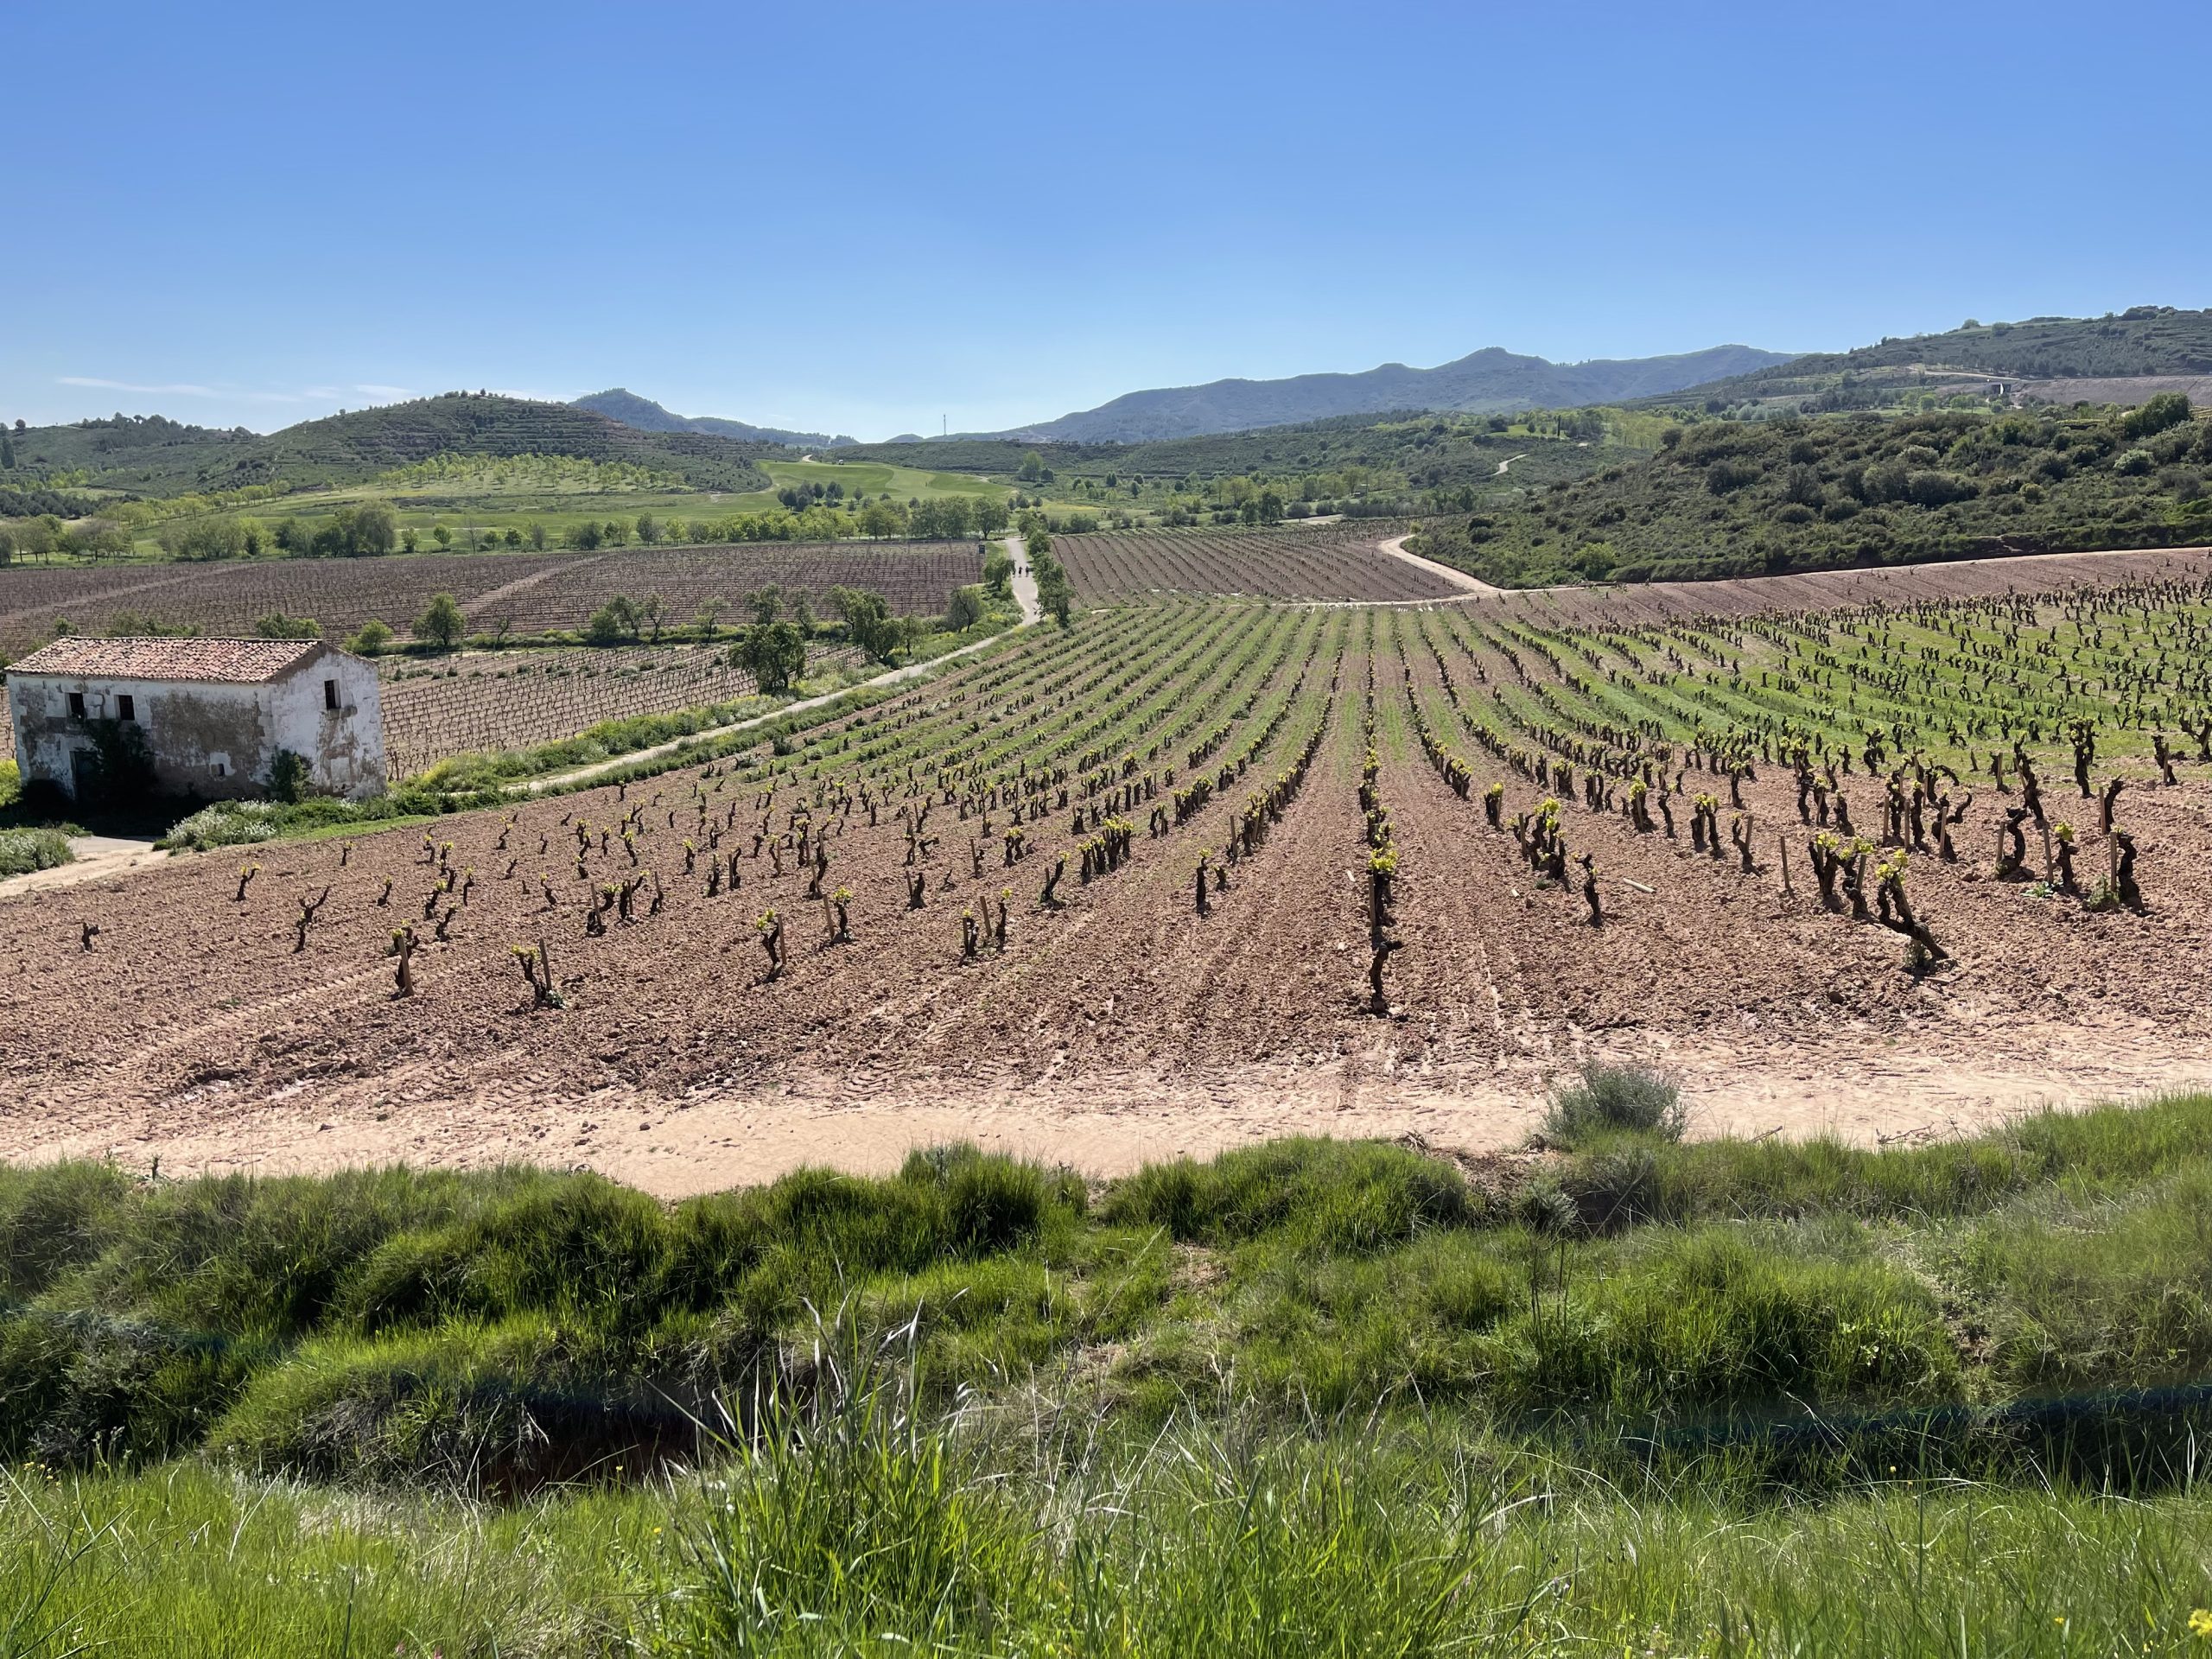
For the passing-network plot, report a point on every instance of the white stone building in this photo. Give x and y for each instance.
(213, 713)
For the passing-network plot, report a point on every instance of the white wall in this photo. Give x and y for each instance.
(345, 747)
(213, 738)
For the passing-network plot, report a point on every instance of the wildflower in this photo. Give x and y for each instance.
(2200, 1625)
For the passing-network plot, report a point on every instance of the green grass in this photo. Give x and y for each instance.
(375, 1322)
(862, 1528)
(1309, 1396)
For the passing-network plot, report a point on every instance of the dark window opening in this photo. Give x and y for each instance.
(125, 707)
(330, 693)
(76, 705)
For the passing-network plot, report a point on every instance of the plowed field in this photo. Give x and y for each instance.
(1341, 562)
(524, 593)
(1116, 1022)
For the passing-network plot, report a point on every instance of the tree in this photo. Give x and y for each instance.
(1033, 467)
(998, 571)
(881, 518)
(585, 535)
(537, 536)
(373, 531)
(709, 617)
(868, 622)
(964, 609)
(102, 537)
(442, 536)
(275, 624)
(648, 529)
(773, 652)
(992, 516)
(1054, 592)
(613, 622)
(204, 538)
(371, 640)
(7, 452)
(2167, 409)
(441, 623)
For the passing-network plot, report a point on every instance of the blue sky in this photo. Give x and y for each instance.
(864, 219)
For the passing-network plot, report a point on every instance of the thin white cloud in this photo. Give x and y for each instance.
(190, 389)
(178, 391)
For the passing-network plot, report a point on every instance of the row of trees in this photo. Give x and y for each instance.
(45, 534)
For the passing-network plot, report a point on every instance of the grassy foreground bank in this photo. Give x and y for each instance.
(1310, 1396)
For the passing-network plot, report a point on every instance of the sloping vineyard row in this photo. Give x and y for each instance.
(1337, 561)
(523, 593)
(485, 701)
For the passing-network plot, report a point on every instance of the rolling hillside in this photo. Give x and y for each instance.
(155, 456)
(2122, 359)
(1425, 451)
(1483, 382)
(626, 406)
(1747, 498)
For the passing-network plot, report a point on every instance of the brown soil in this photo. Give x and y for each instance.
(1118, 1028)
(1115, 1028)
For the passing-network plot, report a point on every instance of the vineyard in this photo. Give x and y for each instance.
(519, 592)
(484, 701)
(1273, 849)
(1335, 561)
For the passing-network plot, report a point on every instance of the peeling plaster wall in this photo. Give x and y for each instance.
(192, 728)
(343, 747)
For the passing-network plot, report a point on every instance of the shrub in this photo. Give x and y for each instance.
(22, 851)
(290, 776)
(1606, 1098)
(2154, 415)
(371, 640)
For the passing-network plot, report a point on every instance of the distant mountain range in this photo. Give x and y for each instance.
(649, 416)
(1493, 380)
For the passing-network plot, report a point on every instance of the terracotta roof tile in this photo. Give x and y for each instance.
(237, 661)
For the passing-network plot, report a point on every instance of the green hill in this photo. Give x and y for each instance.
(1744, 498)
(154, 456)
(1425, 451)
(2146, 341)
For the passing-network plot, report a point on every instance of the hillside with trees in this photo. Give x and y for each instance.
(1735, 498)
(1417, 450)
(152, 455)
(2144, 342)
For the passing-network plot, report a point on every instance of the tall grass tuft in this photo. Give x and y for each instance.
(1608, 1099)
